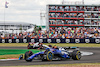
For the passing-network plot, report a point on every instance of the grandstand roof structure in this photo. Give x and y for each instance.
(15, 23)
(72, 5)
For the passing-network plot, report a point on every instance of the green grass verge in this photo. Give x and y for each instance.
(58, 44)
(16, 51)
(63, 65)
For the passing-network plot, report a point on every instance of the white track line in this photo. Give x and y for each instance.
(86, 53)
(7, 59)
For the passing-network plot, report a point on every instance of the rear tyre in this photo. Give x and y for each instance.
(76, 55)
(27, 55)
(29, 47)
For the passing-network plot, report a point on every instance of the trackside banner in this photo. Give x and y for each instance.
(53, 40)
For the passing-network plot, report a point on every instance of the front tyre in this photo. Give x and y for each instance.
(48, 56)
(27, 55)
(76, 55)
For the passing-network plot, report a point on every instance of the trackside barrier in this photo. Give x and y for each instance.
(51, 40)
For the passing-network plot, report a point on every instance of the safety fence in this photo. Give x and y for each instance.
(52, 40)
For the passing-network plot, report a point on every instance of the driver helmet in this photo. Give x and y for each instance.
(50, 45)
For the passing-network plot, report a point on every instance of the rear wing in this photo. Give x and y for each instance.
(76, 48)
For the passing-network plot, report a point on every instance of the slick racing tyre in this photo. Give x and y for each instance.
(49, 56)
(27, 55)
(76, 55)
(29, 47)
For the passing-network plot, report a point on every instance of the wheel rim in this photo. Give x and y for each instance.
(49, 56)
(78, 55)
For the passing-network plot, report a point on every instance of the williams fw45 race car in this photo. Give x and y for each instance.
(51, 53)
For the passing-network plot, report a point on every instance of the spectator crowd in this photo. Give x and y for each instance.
(76, 22)
(65, 32)
(74, 8)
(60, 32)
(90, 16)
(74, 15)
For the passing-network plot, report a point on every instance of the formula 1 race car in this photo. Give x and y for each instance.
(37, 45)
(42, 46)
(52, 54)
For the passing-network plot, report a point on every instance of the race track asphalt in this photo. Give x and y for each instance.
(95, 58)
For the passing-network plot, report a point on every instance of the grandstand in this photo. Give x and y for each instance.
(65, 22)
(73, 16)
